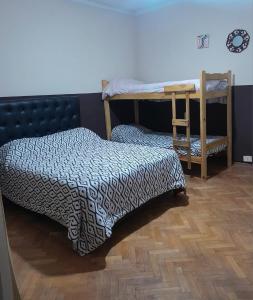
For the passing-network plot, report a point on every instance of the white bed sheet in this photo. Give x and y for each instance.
(124, 86)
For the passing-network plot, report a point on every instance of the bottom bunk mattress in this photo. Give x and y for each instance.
(84, 182)
(139, 135)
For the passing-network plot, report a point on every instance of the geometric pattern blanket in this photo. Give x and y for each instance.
(140, 135)
(84, 182)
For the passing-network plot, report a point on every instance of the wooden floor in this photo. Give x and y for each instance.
(200, 247)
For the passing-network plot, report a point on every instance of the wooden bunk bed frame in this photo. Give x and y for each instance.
(172, 93)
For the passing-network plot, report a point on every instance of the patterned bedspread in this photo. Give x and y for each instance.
(139, 135)
(85, 183)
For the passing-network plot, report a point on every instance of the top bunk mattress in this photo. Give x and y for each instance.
(130, 86)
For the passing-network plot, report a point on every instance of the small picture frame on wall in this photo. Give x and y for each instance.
(203, 41)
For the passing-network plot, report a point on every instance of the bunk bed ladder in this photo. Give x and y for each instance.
(186, 143)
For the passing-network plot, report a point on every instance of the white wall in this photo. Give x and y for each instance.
(167, 40)
(59, 46)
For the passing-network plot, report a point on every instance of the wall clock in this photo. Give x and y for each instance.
(238, 40)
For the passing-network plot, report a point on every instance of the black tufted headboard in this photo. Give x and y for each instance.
(37, 116)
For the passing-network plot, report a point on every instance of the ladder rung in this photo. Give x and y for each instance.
(180, 143)
(181, 122)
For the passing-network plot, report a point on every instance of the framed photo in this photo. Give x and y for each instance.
(203, 41)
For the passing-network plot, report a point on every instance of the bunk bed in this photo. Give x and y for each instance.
(188, 90)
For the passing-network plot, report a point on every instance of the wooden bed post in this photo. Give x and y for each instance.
(203, 124)
(229, 120)
(136, 112)
(108, 123)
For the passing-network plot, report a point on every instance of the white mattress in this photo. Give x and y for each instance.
(124, 86)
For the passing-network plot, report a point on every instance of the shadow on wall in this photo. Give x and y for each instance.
(158, 116)
(45, 246)
(92, 113)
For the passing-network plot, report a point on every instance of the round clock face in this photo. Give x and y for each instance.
(238, 41)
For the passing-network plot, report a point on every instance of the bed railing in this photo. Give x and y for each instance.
(217, 76)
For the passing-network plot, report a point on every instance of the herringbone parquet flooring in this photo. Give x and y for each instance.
(200, 247)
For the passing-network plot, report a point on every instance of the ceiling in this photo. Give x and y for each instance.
(127, 6)
(137, 7)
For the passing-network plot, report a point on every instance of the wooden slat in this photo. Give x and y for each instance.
(152, 96)
(194, 159)
(180, 122)
(216, 94)
(167, 96)
(217, 76)
(180, 143)
(179, 88)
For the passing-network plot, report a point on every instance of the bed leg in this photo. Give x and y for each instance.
(203, 124)
(204, 168)
(136, 113)
(178, 191)
(229, 154)
(229, 121)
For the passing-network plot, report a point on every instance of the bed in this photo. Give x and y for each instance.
(78, 179)
(140, 135)
(130, 86)
(209, 88)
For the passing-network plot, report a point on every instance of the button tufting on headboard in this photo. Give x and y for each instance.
(37, 116)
